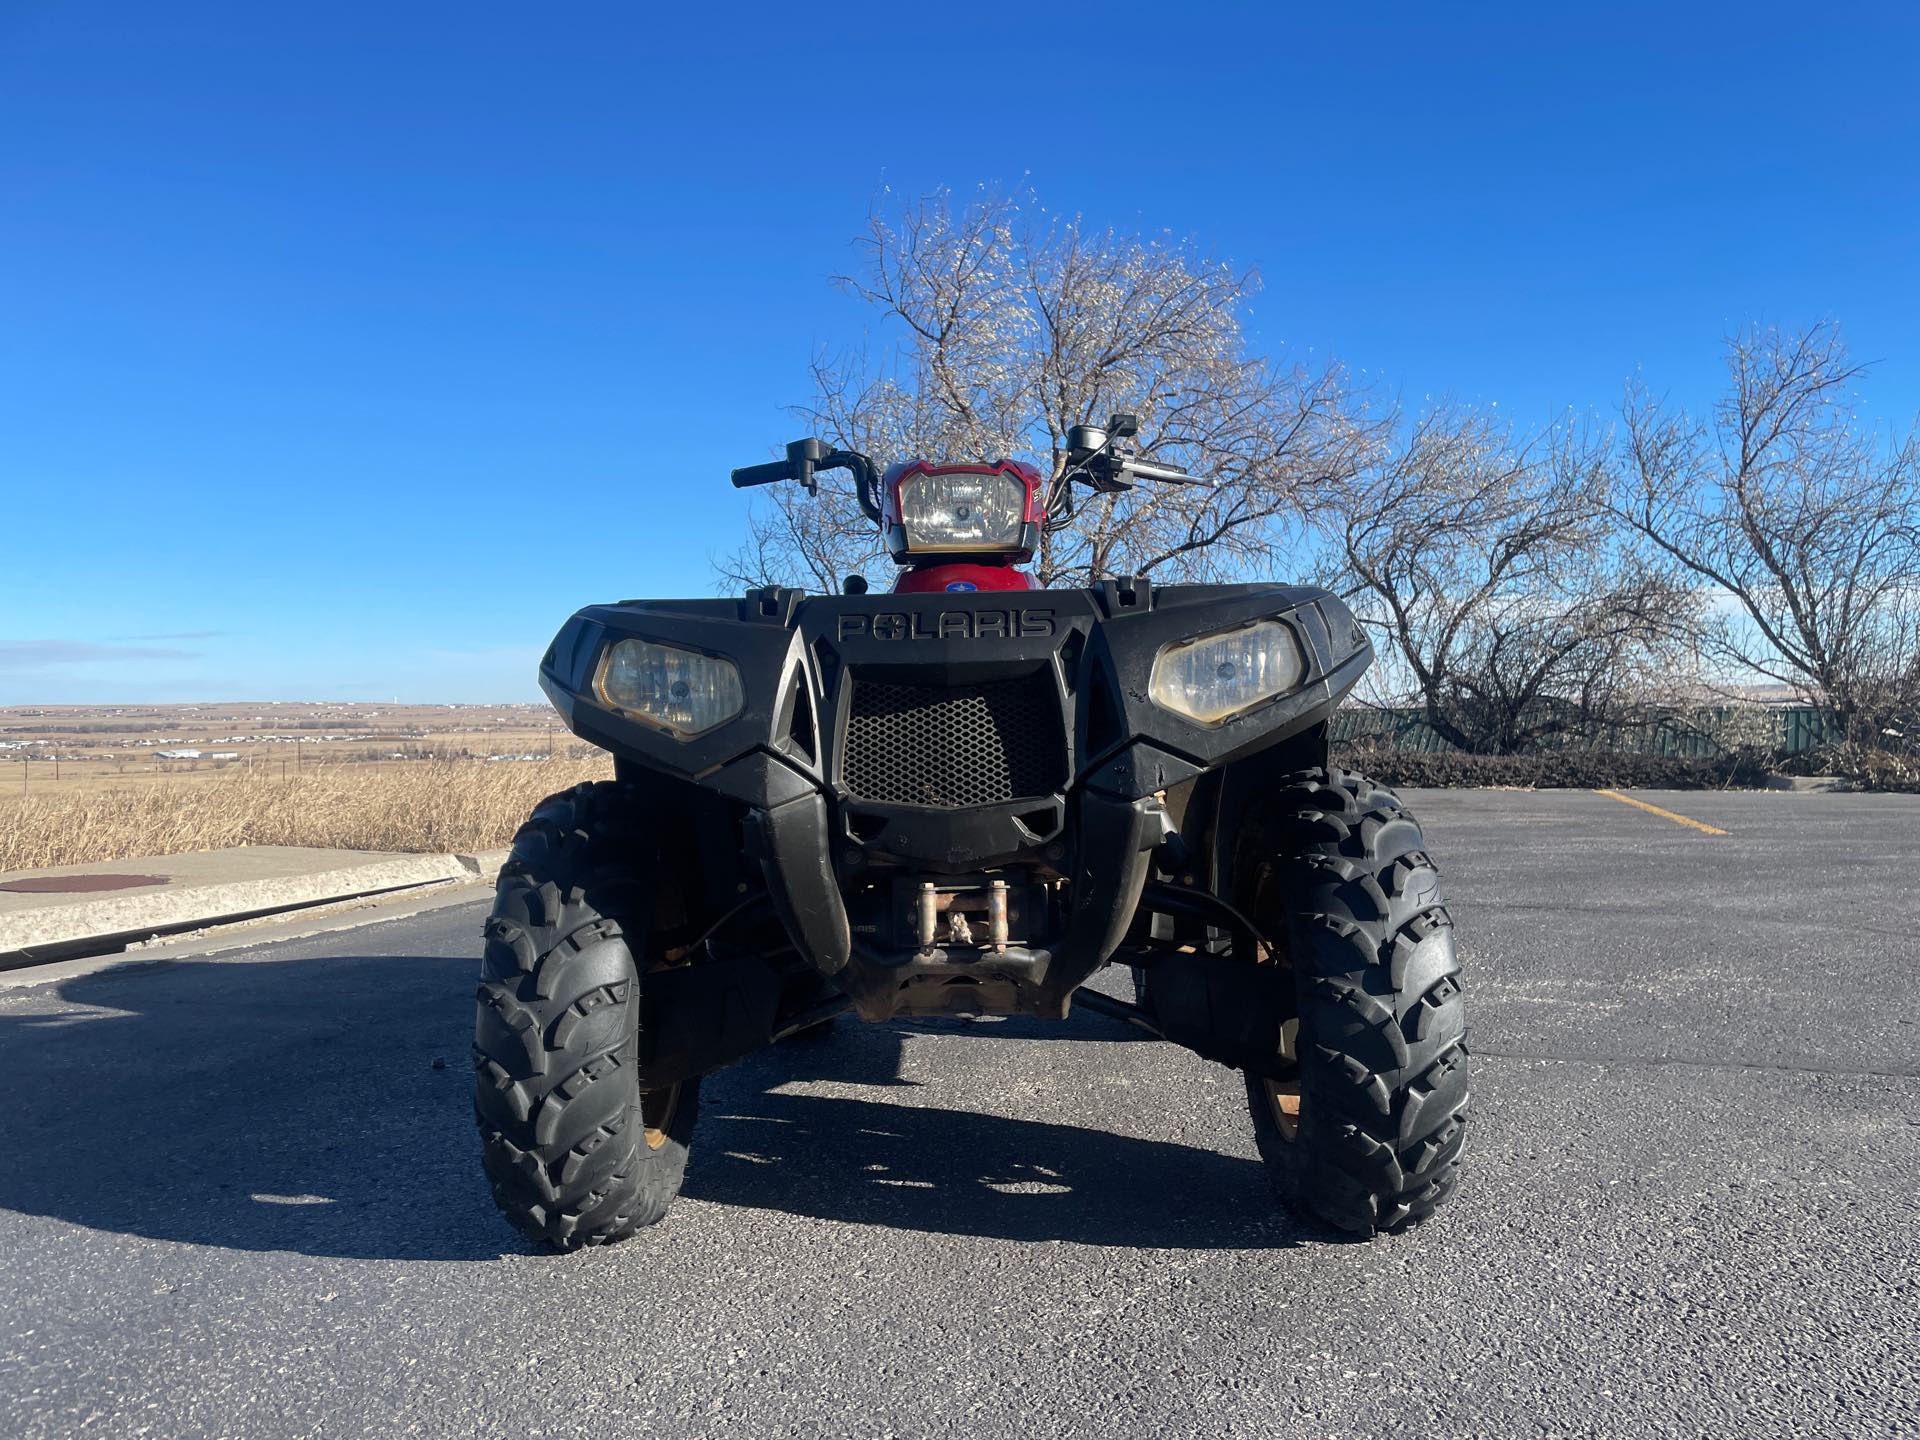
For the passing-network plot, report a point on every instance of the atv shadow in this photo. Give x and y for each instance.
(866, 1159)
(321, 1106)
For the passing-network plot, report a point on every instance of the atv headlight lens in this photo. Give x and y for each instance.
(1216, 677)
(682, 691)
(974, 513)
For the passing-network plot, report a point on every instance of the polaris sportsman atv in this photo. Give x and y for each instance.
(965, 798)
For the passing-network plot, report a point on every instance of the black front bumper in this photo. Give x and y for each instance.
(810, 815)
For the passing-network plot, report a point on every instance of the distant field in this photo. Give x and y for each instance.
(52, 749)
(80, 784)
(429, 806)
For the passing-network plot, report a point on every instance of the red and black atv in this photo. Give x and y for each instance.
(965, 797)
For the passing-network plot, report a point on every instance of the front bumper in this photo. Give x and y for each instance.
(812, 823)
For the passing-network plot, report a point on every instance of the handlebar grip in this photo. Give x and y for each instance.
(768, 474)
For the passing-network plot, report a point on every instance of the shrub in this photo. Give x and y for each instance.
(1864, 768)
(1556, 769)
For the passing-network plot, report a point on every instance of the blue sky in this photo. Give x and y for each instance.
(346, 349)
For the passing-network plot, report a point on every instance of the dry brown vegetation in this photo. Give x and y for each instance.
(49, 748)
(426, 806)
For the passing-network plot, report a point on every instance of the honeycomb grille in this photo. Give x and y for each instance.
(978, 744)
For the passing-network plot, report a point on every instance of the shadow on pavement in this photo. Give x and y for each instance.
(911, 1166)
(949, 1172)
(283, 1105)
(295, 1105)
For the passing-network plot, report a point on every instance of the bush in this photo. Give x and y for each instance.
(1866, 769)
(1557, 769)
(1884, 770)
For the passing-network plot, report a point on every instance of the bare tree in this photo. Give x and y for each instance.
(1488, 568)
(1006, 327)
(1805, 526)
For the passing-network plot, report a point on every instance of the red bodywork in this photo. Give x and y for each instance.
(961, 575)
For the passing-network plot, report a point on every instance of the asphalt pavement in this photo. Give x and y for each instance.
(240, 1195)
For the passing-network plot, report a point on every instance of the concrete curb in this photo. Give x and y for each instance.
(53, 931)
(224, 941)
(1809, 784)
(485, 864)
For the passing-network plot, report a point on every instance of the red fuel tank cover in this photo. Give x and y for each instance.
(961, 577)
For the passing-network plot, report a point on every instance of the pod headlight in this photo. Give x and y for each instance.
(681, 691)
(962, 511)
(1216, 677)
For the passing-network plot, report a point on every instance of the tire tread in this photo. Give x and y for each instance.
(556, 1041)
(1341, 869)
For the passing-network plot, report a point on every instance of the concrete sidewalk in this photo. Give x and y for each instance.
(80, 909)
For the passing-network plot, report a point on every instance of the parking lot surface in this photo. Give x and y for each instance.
(240, 1196)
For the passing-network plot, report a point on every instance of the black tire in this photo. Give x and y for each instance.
(576, 1152)
(1378, 1085)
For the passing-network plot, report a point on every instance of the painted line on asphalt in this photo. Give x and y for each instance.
(1699, 825)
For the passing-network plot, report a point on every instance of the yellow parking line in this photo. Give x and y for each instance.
(1699, 825)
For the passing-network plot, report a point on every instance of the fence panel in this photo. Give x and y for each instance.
(1700, 733)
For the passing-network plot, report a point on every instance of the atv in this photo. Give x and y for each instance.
(965, 798)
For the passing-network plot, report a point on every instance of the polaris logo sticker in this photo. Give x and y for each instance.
(949, 625)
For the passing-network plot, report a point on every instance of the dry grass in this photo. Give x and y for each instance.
(453, 805)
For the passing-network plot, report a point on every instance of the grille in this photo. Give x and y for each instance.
(978, 744)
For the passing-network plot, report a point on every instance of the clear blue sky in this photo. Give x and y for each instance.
(345, 349)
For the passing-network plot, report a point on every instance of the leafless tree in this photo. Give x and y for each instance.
(1006, 326)
(1805, 526)
(1487, 567)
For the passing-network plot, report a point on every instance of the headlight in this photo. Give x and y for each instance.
(1217, 676)
(962, 512)
(679, 690)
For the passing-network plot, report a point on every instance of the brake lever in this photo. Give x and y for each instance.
(1166, 474)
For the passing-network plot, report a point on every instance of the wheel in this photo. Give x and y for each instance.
(576, 1152)
(1364, 1126)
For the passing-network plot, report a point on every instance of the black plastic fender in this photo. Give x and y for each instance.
(791, 843)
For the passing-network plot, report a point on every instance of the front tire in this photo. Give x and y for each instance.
(1364, 1125)
(577, 1153)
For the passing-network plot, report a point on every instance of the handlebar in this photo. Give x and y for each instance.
(1095, 457)
(767, 474)
(804, 457)
(1103, 459)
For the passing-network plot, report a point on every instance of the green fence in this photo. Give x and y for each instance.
(1698, 733)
